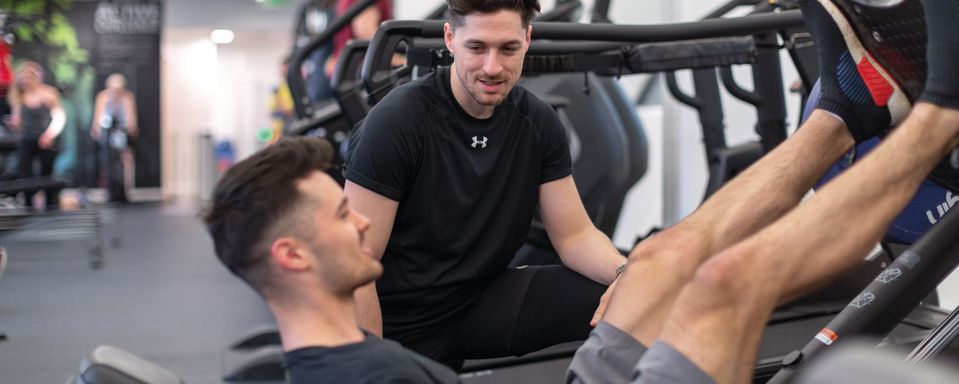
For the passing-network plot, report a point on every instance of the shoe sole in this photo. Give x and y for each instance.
(883, 87)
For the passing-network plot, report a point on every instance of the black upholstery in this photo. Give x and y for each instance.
(608, 145)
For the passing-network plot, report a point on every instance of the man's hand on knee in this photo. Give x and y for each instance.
(603, 302)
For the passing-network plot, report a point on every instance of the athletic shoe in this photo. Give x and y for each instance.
(872, 60)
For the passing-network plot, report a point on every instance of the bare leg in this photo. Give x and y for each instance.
(721, 313)
(661, 265)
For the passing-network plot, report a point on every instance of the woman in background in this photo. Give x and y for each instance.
(114, 124)
(361, 28)
(40, 118)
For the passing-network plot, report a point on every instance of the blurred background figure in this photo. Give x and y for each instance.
(281, 104)
(313, 17)
(361, 28)
(7, 90)
(39, 118)
(8, 96)
(114, 126)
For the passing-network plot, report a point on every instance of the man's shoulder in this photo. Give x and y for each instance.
(406, 108)
(528, 104)
(421, 93)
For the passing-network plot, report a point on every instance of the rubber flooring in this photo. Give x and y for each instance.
(161, 295)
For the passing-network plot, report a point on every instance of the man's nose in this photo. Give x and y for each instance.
(492, 64)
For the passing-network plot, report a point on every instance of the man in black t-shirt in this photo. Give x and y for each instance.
(283, 226)
(450, 169)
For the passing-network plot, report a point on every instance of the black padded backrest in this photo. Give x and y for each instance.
(637, 152)
(111, 365)
(347, 85)
(602, 164)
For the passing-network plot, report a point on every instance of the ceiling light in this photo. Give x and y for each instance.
(222, 36)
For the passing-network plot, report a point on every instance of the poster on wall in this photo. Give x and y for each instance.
(80, 44)
(128, 43)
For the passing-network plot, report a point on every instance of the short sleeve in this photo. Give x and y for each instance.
(557, 161)
(383, 151)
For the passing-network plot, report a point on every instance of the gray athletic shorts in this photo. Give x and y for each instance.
(613, 356)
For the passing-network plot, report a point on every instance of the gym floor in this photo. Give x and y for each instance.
(161, 295)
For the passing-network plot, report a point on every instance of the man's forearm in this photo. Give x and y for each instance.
(368, 309)
(591, 254)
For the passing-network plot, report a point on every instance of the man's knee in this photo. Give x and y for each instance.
(720, 282)
(674, 251)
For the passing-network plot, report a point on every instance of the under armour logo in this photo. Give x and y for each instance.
(477, 143)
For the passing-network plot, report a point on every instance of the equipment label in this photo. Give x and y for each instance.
(827, 336)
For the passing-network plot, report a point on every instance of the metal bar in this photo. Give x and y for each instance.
(723, 27)
(673, 86)
(600, 13)
(562, 11)
(889, 298)
(768, 85)
(729, 7)
(377, 71)
(726, 75)
(940, 339)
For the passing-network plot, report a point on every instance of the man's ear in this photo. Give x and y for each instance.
(290, 253)
(529, 34)
(448, 36)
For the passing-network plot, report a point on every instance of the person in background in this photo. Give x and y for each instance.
(114, 124)
(40, 119)
(314, 17)
(7, 90)
(362, 28)
(9, 97)
(281, 104)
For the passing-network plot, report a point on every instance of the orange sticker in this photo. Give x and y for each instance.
(827, 336)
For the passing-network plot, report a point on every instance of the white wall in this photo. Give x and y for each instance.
(249, 69)
(219, 90)
(686, 163)
(188, 73)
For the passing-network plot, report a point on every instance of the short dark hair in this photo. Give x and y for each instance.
(256, 195)
(461, 8)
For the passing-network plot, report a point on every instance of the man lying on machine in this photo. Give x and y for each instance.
(698, 294)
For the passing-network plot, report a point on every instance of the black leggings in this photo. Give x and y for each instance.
(29, 149)
(523, 310)
(111, 166)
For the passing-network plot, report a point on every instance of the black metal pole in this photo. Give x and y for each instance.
(600, 12)
(768, 85)
(891, 296)
(940, 339)
(377, 72)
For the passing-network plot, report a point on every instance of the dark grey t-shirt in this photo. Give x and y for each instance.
(373, 360)
(467, 189)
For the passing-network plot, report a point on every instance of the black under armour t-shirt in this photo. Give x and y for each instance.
(467, 189)
(373, 360)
